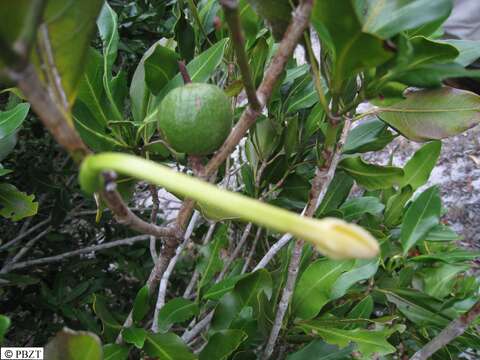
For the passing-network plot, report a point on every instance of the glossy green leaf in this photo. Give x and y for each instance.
(264, 138)
(249, 20)
(362, 270)
(246, 294)
(108, 28)
(70, 26)
(367, 342)
(139, 92)
(418, 168)
(216, 291)
(167, 347)
(222, 344)
(439, 281)
(432, 76)
(200, 69)
(91, 92)
(211, 262)
(422, 215)
(469, 50)
(160, 67)
(110, 326)
(395, 206)
(115, 352)
(370, 176)
(277, 12)
(174, 311)
(363, 310)
(371, 135)
(353, 50)
(13, 16)
(11, 120)
(185, 35)
(434, 114)
(337, 192)
(302, 95)
(134, 336)
(315, 285)
(16, 205)
(419, 308)
(74, 345)
(7, 144)
(442, 233)
(386, 18)
(318, 349)
(416, 54)
(258, 58)
(315, 119)
(4, 325)
(141, 304)
(353, 209)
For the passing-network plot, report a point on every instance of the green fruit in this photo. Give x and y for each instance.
(195, 118)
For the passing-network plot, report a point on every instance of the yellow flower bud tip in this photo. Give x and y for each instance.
(338, 239)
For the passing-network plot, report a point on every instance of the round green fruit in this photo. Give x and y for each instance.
(195, 118)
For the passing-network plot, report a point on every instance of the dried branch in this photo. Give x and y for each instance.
(285, 300)
(189, 335)
(230, 8)
(320, 184)
(23, 251)
(235, 252)
(196, 273)
(153, 220)
(252, 250)
(89, 249)
(162, 289)
(24, 234)
(455, 329)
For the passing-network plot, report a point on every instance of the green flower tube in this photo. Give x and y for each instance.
(334, 238)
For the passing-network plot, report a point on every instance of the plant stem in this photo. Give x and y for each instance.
(285, 300)
(184, 72)
(61, 257)
(162, 289)
(23, 251)
(455, 329)
(230, 8)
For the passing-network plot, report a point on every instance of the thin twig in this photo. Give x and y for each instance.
(24, 234)
(252, 250)
(196, 273)
(230, 8)
(184, 72)
(162, 289)
(235, 252)
(23, 251)
(455, 329)
(320, 184)
(189, 335)
(153, 220)
(285, 300)
(89, 249)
